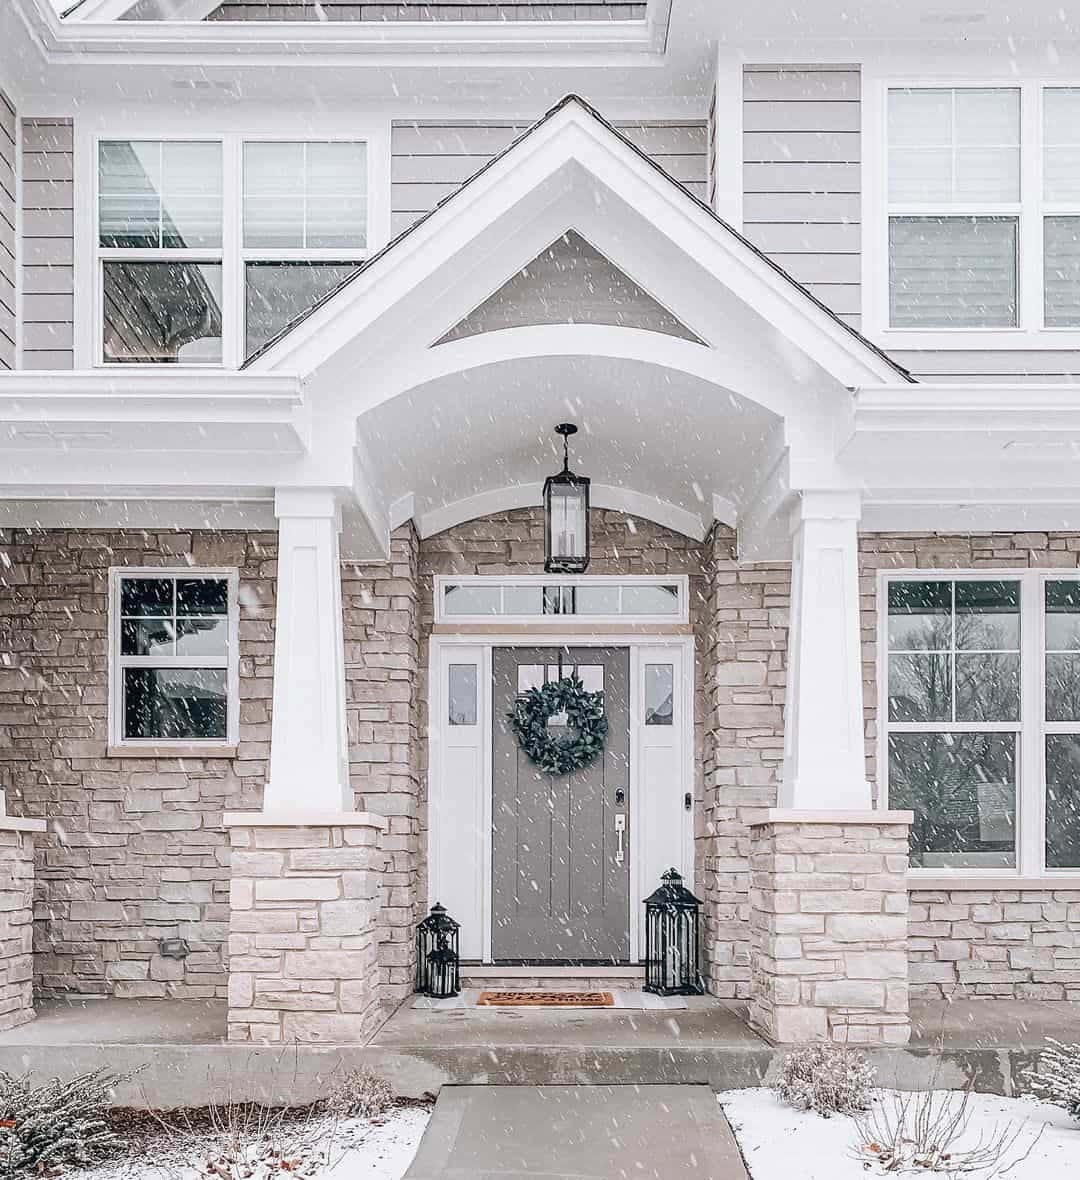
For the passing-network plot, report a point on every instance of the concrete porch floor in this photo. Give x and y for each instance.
(180, 1048)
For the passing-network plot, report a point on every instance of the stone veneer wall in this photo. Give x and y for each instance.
(304, 933)
(16, 927)
(380, 603)
(134, 851)
(828, 925)
(1018, 943)
(742, 651)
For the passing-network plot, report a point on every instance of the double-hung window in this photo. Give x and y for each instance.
(208, 249)
(1061, 196)
(174, 657)
(160, 251)
(954, 207)
(304, 226)
(981, 703)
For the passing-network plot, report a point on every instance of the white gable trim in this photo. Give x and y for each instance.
(569, 146)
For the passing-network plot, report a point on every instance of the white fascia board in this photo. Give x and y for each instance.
(137, 396)
(963, 407)
(573, 137)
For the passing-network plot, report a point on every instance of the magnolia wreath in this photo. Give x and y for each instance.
(585, 719)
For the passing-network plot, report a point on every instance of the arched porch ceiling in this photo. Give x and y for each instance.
(657, 443)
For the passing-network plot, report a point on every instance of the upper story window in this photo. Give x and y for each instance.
(178, 284)
(160, 239)
(954, 206)
(983, 208)
(304, 225)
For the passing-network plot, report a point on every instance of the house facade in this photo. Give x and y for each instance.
(292, 297)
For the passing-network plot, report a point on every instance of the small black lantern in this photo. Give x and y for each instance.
(437, 955)
(566, 515)
(671, 939)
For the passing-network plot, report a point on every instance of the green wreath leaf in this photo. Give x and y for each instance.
(586, 723)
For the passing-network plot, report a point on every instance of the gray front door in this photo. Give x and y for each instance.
(560, 864)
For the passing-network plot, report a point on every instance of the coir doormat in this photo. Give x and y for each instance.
(546, 1000)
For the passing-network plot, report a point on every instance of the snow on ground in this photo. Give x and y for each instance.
(779, 1143)
(356, 1149)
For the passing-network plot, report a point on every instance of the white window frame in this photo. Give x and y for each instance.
(212, 255)
(1030, 332)
(117, 661)
(679, 617)
(89, 308)
(1031, 730)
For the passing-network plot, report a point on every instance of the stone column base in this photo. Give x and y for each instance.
(304, 926)
(17, 920)
(828, 927)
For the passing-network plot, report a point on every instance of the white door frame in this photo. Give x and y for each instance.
(478, 648)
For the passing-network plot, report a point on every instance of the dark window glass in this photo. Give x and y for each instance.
(175, 703)
(202, 596)
(920, 616)
(988, 616)
(962, 789)
(147, 637)
(146, 596)
(162, 312)
(920, 687)
(277, 293)
(1063, 801)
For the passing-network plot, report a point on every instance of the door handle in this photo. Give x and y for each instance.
(620, 829)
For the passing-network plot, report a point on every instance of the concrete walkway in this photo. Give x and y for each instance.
(577, 1133)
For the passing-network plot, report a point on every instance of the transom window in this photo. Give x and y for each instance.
(167, 258)
(174, 641)
(982, 719)
(482, 599)
(983, 226)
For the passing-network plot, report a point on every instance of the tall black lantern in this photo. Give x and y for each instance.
(566, 515)
(437, 955)
(671, 939)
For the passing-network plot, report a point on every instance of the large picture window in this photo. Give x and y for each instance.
(981, 701)
(174, 657)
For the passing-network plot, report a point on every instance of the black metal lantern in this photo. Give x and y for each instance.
(671, 939)
(437, 955)
(566, 515)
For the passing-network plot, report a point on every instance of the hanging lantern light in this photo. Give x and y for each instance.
(566, 515)
(437, 955)
(672, 940)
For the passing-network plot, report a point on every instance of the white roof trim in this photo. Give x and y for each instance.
(573, 136)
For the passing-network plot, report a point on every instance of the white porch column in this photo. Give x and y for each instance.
(824, 755)
(309, 764)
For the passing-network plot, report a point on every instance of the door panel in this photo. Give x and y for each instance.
(559, 889)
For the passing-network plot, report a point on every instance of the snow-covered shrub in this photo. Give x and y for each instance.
(1058, 1077)
(360, 1094)
(44, 1127)
(827, 1079)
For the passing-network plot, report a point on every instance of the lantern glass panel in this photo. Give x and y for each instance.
(568, 520)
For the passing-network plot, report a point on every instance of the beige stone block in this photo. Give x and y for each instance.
(858, 927)
(876, 964)
(849, 993)
(292, 837)
(264, 921)
(241, 990)
(327, 964)
(345, 918)
(241, 893)
(326, 1028)
(298, 889)
(799, 1025)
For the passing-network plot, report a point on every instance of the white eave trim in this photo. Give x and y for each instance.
(86, 32)
(952, 406)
